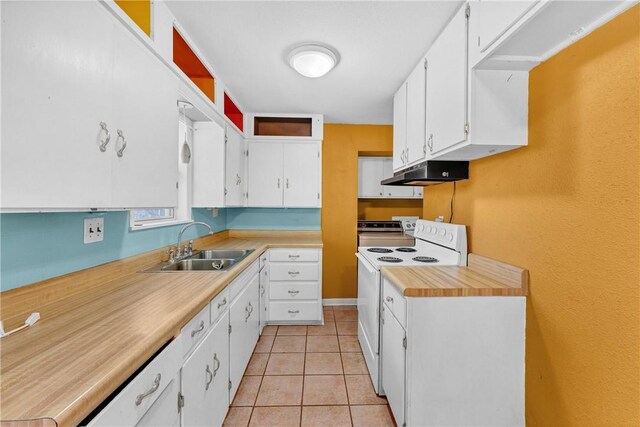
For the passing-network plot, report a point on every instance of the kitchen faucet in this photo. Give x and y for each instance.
(179, 251)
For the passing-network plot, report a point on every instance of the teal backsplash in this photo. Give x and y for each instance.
(55, 240)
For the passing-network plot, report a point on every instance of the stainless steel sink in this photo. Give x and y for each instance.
(221, 254)
(200, 265)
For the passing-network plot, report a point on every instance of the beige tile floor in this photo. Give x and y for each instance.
(309, 376)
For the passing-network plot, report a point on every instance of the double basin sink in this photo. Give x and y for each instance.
(206, 260)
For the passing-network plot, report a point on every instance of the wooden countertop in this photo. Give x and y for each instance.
(482, 277)
(99, 325)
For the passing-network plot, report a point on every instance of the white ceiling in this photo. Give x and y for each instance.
(379, 42)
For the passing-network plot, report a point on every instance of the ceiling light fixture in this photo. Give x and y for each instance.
(313, 60)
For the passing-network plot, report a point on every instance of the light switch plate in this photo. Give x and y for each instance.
(93, 230)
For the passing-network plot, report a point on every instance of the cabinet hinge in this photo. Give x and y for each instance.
(229, 328)
(247, 153)
(404, 342)
(466, 128)
(426, 63)
(467, 11)
(180, 401)
(177, 185)
(318, 196)
(225, 191)
(229, 384)
(318, 154)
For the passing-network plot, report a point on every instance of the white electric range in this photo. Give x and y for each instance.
(436, 244)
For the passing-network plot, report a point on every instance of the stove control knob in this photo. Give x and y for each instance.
(428, 228)
(450, 237)
(442, 232)
(433, 230)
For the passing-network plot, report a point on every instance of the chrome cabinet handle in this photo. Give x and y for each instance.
(389, 299)
(238, 179)
(278, 182)
(262, 290)
(210, 375)
(154, 387)
(430, 142)
(222, 303)
(294, 292)
(197, 331)
(248, 309)
(424, 148)
(215, 366)
(294, 273)
(293, 312)
(107, 137)
(294, 256)
(124, 143)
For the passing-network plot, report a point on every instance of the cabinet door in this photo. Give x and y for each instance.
(245, 324)
(145, 171)
(205, 377)
(393, 364)
(266, 184)
(416, 141)
(234, 187)
(302, 175)
(208, 165)
(399, 127)
(494, 18)
(447, 86)
(370, 173)
(56, 89)
(395, 191)
(164, 411)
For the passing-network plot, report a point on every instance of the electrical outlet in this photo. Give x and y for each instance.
(214, 212)
(93, 230)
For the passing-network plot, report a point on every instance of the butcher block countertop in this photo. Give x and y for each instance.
(99, 325)
(482, 277)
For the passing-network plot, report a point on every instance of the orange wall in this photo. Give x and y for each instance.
(384, 209)
(139, 11)
(566, 208)
(340, 149)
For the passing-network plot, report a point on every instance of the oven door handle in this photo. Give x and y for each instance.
(366, 264)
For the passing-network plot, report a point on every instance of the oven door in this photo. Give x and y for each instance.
(369, 316)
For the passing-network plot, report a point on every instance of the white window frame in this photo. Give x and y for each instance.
(182, 213)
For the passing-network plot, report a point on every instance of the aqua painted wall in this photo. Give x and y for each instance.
(55, 239)
(273, 219)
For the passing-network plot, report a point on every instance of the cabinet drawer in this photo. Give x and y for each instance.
(283, 311)
(218, 305)
(195, 330)
(294, 272)
(395, 301)
(138, 396)
(293, 291)
(294, 255)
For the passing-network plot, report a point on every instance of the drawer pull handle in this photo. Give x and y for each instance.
(294, 273)
(197, 331)
(216, 364)
(294, 256)
(389, 299)
(248, 309)
(153, 389)
(124, 143)
(262, 289)
(210, 375)
(293, 311)
(222, 303)
(107, 137)
(294, 292)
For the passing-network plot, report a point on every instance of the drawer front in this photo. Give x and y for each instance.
(264, 258)
(294, 255)
(238, 284)
(293, 291)
(195, 330)
(395, 301)
(218, 305)
(292, 272)
(130, 405)
(285, 311)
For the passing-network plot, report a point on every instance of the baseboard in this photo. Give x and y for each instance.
(339, 301)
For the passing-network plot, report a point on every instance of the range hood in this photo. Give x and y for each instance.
(430, 173)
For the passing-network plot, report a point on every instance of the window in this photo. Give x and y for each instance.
(157, 217)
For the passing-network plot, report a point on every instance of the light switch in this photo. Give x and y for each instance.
(93, 230)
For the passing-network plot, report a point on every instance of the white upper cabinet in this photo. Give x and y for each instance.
(446, 112)
(66, 95)
(497, 17)
(208, 165)
(416, 103)
(265, 181)
(394, 191)
(284, 174)
(302, 175)
(370, 173)
(400, 127)
(234, 175)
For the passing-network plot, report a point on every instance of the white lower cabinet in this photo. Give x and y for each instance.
(454, 361)
(244, 322)
(164, 412)
(205, 379)
(294, 286)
